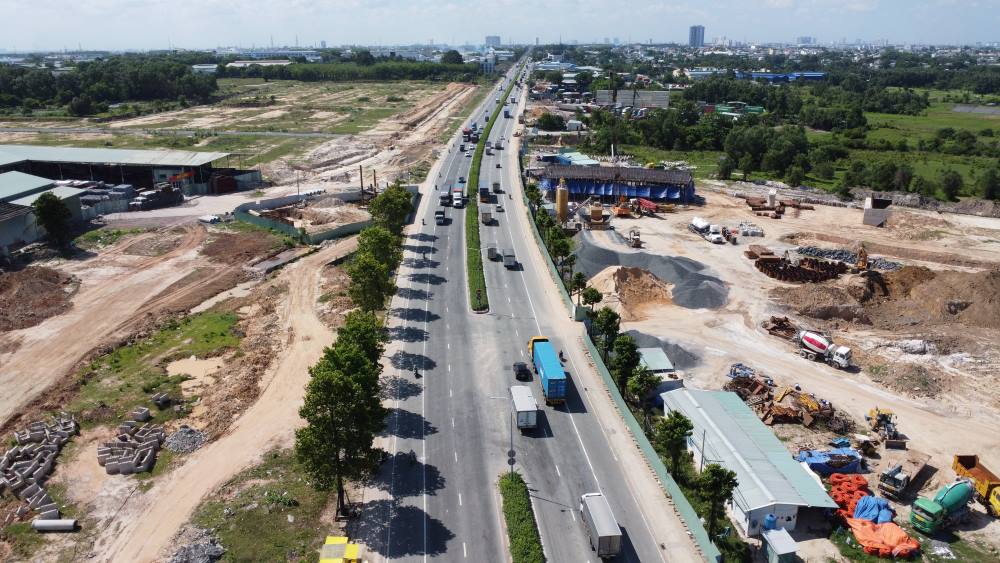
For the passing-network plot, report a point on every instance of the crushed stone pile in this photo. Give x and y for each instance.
(185, 440)
(200, 546)
(844, 255)
(679, 356)
(31, 295)
(692, 288)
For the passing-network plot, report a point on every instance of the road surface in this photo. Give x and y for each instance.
(455, 418)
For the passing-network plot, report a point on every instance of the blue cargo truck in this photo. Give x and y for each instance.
(549, 369)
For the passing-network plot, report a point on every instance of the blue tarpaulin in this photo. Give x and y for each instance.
(838, 460)
(873, 509)
(683, 193)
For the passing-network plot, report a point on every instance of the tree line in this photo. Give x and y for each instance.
(347, 71)
(343, 403)
(93, 85)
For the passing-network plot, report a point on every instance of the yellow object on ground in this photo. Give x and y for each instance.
(336, 549)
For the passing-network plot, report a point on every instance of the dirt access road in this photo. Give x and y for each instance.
(142, 530)
(117, 289)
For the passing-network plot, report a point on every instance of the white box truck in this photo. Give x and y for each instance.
(525, 407)
(605, 535)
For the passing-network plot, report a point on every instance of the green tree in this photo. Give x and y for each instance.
(824, 170)
(746, 166)
(560, 247)
(641, 383)
(382, 245)
(80, 105)
(725, 168)
(365, 330)
(452, 57)
(53, 215)
(534, 196)
(577, 284)
(989, 184)
(370, 282)
(605, 325)
(625, 359)
(670, 438)
(591, 296)
(551, 122)
(716, 485)
(342, 419)
(390, 208)
(364, 57)
(795, 176)
(951, 184)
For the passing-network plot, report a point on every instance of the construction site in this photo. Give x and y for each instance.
(859, 345)
(173, 324)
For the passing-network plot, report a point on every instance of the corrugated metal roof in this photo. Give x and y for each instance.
(7, 158)
(10, 210)
(15, 184)
(655, 359)
(738, 440)
(62, 192)
(108, 156)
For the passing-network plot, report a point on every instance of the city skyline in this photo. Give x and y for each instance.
(189, 24)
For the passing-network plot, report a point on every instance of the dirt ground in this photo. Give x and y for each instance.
(942, 299)
(31, 295)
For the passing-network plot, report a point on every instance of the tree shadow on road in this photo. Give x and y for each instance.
(431, 279)
(414, 315)
(407, 361)
(423, 237)
(411, 527)
(419, 248)
(399, 388)
(410, 478)
(413, 294)
(420, 263)
(407, 424)
(407, 334)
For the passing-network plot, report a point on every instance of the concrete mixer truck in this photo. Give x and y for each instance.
(815, 346)
(950, 506)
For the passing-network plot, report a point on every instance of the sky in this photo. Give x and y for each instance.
(194, 24)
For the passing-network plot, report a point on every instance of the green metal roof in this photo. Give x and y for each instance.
(735, 438)
(655, 359)
(168, 158)
(15, 185)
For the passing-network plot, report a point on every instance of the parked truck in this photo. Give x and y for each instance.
(901, 471)
(984, 482)
(525, 407)
(949, 506)
(705, 230)
(602, 528)
(547, 366)
(815, 346)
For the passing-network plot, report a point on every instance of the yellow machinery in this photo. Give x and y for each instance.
(862, 263)
(883, 422)
(622, 209)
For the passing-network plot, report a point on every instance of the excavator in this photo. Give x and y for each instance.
(883, 422)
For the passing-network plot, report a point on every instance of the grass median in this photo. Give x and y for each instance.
(473, 251)
(525, 543)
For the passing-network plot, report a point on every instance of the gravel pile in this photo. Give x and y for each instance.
(185, 440)
(691, 288)
(680, 357)
(203, 548)
(844, 255)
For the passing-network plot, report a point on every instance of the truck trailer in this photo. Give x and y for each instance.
(547, 366)
(605, 535)
(525, 407)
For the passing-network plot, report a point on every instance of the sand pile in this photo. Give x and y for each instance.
(31, 295)
(907, 297)
(631, 291)
(692, 288)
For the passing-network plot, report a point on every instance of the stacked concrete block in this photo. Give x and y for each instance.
(25, 467)
(135, 448)
(161, 400)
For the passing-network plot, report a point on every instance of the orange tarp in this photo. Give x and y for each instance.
(884, 540)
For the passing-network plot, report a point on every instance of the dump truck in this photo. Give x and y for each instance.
(509, 261)
(900, 472)
(485, 215)
(546, 365)
(445, 197)
(815, 346)
(985, 483)
(602, 528)
(949, 506)
(484, 194)
(525, 407)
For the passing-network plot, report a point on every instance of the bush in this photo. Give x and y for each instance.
(525, 543)
(551, 122)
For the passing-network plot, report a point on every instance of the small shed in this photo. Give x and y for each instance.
(656, 361)
(780, 546)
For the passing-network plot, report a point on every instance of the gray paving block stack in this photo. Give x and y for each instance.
(135, 448)
(25, 467)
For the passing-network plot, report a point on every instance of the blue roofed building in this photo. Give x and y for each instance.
(612, 182)
(727, 432)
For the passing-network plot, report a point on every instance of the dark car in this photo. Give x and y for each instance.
(521, 371)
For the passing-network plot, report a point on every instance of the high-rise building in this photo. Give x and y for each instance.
(696, 36)
(322, 44)
(805, 40)
(492, 40)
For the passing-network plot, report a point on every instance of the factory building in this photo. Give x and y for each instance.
(18, 191)
(608, 183)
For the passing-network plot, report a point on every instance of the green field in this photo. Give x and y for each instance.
(938, 116)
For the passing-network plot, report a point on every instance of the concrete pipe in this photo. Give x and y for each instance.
(63, 525)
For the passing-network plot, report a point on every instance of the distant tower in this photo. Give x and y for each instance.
(696, 36)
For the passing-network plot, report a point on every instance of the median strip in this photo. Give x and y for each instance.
(473, 251)
(522, 530)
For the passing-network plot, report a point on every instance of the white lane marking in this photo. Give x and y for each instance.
(449, 367)
(573, 514)
(464, 552)
(448, 344)
(449, 392)
(522, 353)
(508, 300)
(559, 473)
(459, 499)
(456, 457)
(452, 422)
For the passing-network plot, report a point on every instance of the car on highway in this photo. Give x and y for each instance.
(521, 371)
(499, 207)
(468, 154)
(439, 217)
(461, 179)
